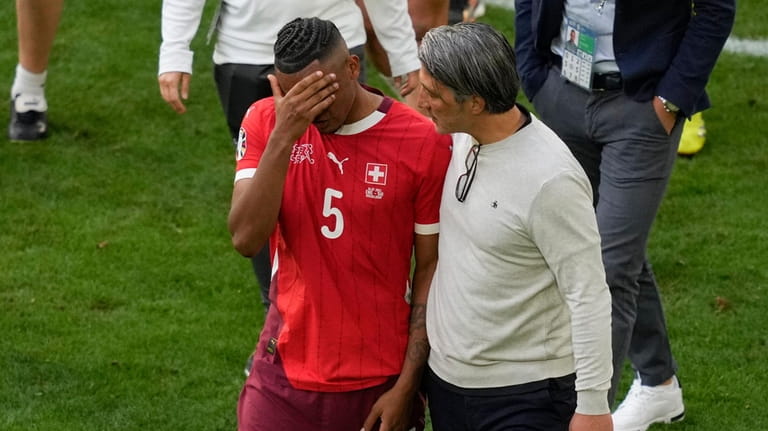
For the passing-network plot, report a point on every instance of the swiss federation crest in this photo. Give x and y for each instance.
(302, 152)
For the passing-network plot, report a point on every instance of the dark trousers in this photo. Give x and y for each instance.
(628, 157)
(239, 85)
(546, 405)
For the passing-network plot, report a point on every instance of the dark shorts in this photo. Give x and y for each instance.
(268, 402)
(546, 405)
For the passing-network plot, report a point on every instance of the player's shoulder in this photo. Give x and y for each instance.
(261, 108)
(413, 119)
(401, 109)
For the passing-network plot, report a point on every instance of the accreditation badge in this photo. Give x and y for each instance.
(579, 54)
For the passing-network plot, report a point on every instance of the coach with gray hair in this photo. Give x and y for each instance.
(518, 314)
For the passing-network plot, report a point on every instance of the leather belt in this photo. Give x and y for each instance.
(607, 81)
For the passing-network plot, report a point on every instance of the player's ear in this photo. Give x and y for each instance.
(353, 66)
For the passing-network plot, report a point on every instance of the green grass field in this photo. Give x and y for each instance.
(123, 305)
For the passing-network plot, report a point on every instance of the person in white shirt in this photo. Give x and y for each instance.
(519, 312)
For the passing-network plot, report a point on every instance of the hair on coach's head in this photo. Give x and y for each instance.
(472, 59)
(303, 41)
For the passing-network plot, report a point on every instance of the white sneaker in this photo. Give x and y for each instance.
(646, 405)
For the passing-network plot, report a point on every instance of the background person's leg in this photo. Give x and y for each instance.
(637, 161)
(239, 86)
(37, 22)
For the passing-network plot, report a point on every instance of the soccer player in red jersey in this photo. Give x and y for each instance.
(345, 184)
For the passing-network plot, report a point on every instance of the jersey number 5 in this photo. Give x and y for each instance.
(329, 210)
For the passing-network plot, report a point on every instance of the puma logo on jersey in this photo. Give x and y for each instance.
(340, 163)
(302, 152)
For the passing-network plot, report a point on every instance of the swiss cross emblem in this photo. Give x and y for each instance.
(376, 173)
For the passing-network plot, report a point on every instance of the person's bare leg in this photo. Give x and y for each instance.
(37, 21)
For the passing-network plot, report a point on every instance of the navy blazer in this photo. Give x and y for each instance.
(663, 48)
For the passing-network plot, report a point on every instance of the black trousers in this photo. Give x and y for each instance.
(546, 405)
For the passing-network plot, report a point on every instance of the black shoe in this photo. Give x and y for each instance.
(31, 124)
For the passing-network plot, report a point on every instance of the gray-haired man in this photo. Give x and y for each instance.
(518, 315)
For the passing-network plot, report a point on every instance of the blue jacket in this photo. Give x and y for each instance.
(663, 48)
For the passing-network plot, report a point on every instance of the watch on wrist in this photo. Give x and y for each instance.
(668, 106)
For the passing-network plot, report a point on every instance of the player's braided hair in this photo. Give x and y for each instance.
(303, 41)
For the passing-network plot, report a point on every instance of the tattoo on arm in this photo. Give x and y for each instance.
(418, 318)
(418, 351)
(418, 346)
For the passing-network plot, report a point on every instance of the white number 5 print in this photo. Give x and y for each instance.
(329, 210)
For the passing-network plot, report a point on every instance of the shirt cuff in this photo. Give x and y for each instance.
(426, 229)
(592, 402)
(400, 68)
(175, 60)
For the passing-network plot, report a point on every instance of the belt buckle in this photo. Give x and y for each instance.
(607, 81)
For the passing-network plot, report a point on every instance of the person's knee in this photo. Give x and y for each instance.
(616, 278)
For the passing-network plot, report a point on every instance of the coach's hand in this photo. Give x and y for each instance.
(296, 109)
(393, 408)
(174, 87)
(407, 83)
(581, 422)
(666, 118)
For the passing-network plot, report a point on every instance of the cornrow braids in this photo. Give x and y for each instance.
(303, 41)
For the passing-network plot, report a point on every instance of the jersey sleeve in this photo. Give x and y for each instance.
(427, 217)
(252, 139)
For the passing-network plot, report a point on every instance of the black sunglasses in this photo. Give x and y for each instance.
(465, 179)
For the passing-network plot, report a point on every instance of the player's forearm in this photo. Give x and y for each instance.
(417, 351)
(256, 202)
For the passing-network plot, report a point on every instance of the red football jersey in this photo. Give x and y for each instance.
(343, 244)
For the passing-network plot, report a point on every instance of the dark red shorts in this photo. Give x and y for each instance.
(268, 402)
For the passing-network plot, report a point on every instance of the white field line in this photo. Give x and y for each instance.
(755, 47)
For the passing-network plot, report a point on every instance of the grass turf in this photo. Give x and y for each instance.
(123, 305)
